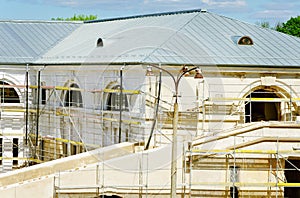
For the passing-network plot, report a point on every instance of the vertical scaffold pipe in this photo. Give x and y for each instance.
(156, 112)
(26, 105)
(38, 108)
(121, 104)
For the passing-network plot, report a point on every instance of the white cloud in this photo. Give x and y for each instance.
(147, 6)
(274, 16)
(225, 3)
(170, 2)
(151, 6)
(167, 1)
(275, 11)
(251, 11)
(270, 13)
(88, 3)
(92, 3)
(115, 4)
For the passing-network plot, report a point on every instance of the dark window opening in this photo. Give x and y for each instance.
(113, 100)
(292, 175)
(234, 177)
(245, 40)
(42, 147)
(127, 136)
(116, 136)
(262, 110)
(234, 192)
(44, 96)
(73, 97)
(65, 149)
(1, 150)
(15, 150)
(73, 149)
(99, 42)
(8, 94)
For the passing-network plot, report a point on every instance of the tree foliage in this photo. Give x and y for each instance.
(292, 27)
(263, 24)
(80, 17)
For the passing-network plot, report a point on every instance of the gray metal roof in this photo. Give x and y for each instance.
(186, 37)
(125, 40)
(25, 41)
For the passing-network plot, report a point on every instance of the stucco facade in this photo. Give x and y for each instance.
(102, 83)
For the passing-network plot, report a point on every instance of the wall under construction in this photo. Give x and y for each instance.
(49, 112)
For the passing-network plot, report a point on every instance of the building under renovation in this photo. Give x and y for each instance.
(186, 103)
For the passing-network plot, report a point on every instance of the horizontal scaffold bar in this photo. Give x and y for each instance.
(224, 151)
(69, 141)
(125, 121)
(21, 158)
(127, 91)
(256, 99)
(57, 139)
(247, 184)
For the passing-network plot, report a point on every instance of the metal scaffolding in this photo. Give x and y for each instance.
(223, 127)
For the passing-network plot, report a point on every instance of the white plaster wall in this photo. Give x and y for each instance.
(151, 168)
(124, 171)
(40, 187)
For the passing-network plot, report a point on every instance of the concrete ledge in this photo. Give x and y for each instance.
(67, 163)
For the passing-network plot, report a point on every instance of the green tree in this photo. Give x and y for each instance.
(292, 27)
(264, 24)
(80, 17)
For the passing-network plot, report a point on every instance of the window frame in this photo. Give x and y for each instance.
(73, 97)
(8, 91)
(113, 100)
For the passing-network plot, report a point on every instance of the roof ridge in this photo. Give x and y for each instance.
(146, 15)
(39, 21)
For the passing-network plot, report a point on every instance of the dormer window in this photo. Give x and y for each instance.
(245, 40)
(242, 40)
(99, 42)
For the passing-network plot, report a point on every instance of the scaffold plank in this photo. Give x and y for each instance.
(123, 90)
(247, 184)
(225, 151)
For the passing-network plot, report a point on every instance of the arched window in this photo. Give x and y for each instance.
(8, 94)
(245, 40)
(99, 42)
(114, 98)
(73, 97)
(265, 110)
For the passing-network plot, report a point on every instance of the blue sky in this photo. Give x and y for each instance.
(251, 11)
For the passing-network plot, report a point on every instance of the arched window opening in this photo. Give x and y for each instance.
(8, 94)
(99, 42)
(73, 97)
(245, 40)
(262, 110)
(109, 196)
(114, 98)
